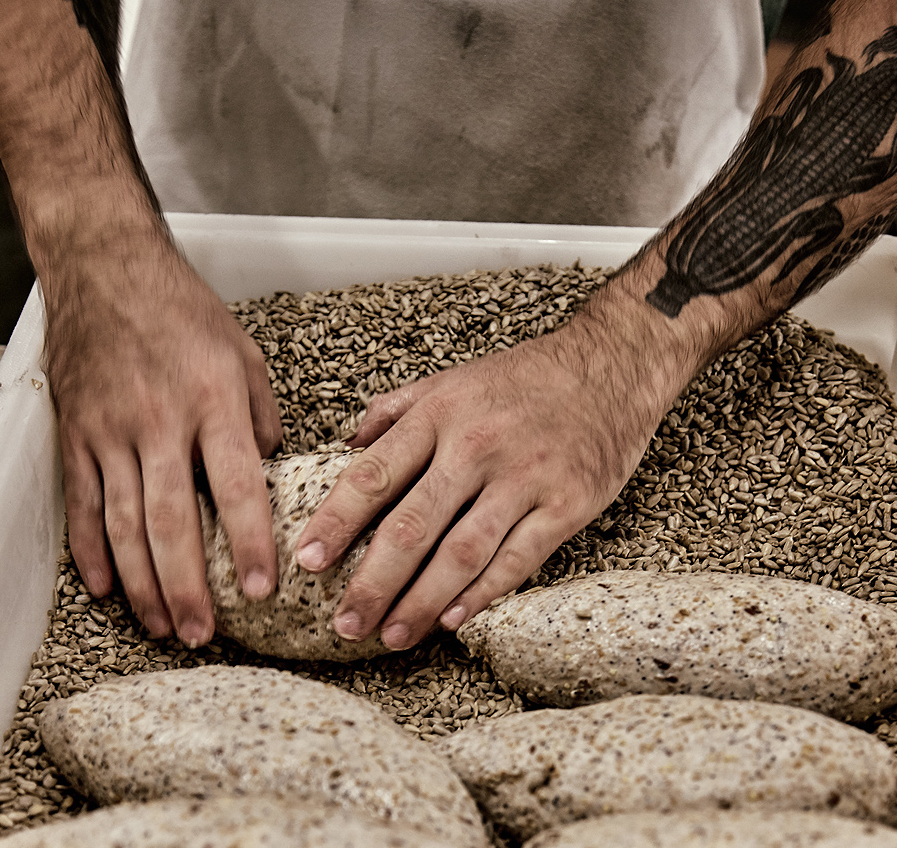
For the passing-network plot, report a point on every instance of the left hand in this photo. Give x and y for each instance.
(506, 458)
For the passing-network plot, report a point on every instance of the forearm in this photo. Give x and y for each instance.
(65, 141)
(813, 183)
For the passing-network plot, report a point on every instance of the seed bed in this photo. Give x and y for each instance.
(779, 459)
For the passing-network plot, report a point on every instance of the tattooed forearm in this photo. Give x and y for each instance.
(778, 211)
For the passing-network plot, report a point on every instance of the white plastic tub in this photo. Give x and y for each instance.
(247, 257)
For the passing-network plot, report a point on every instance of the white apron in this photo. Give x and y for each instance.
(554, 111)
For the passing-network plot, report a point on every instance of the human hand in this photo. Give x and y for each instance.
(150, 373)
(506, 457)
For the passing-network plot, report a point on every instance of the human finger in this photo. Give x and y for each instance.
(126, 533)
(460, 558)
(237, 481)
(521, 554)
(374, 479)
(385, 410)
(266, 422)
(173, 532)
(402, 542)
(84, 512)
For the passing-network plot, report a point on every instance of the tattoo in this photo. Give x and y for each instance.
(778, 199)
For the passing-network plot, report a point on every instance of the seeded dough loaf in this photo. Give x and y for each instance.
(718, 829)
(223, 822)
(294, 622)
(534, 770)
(735, 636)
(253, 731)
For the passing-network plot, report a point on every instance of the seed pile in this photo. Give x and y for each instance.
(780, 459)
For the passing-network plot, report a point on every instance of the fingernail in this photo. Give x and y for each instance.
(348, 625)
(194, 633)
(396, 636)
(158, 625)
(311, 556)
(452, 619)
(257, 585)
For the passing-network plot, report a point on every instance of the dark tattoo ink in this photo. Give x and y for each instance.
(779, 197)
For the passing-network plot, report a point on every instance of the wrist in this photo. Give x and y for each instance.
(118, 264)
(79, 216)
(663, 354)
(689, 338)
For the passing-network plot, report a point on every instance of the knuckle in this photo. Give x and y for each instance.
(366, 595)
(435, 483)
(407, 530)
(165, 521)
(83, 504)
(467, 556)
(235, 489)
(478, 441)
(438, 408)
(558, 508)
(512, 566)
(369, 475)
(151, 415)
(332, 527)
(123, 526)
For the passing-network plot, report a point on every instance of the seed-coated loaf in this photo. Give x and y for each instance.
(718, 829)
(534, 770)
(222, 822)
(253, 731)
(295, 621)
(723, 635)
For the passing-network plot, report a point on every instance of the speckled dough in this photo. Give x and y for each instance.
(534, 770)
(719, 829)
(224, 822)
(253, 731)
(722, 635)
(294, 622)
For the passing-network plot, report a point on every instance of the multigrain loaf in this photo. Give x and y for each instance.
(223, 822)
(295, 621)
(253, 731)
(718, 829)
(733, 636)
(538, 769)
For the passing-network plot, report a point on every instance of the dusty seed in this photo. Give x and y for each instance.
(780, 459)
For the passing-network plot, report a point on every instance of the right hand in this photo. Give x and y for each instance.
(149, 374)
(477, 473)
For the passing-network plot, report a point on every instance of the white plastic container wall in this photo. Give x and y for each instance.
(249, 257)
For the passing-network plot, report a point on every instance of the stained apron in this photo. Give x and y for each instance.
(560, 111)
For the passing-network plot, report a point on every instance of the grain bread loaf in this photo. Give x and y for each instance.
(718, 829)
(538, 769)
(295, 621)
(253, 731)
(724, 635)
(223, 822)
